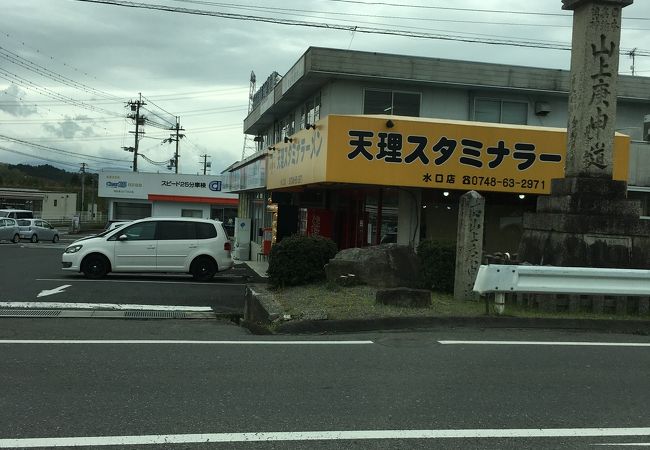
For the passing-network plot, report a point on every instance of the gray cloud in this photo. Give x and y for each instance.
(13, 104)
(69, 128)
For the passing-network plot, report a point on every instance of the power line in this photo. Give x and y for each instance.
(30, 85)
(497, 11)
(41, 158)
(358, 29)
(43, 71)
(57, 150)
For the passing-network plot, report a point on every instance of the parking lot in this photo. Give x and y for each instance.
(31, 272)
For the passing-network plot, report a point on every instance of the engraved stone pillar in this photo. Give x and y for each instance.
(469, 245)
(592, 96)
(587, 220)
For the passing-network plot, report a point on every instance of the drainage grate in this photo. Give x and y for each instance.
(156, 314)
(29, 312)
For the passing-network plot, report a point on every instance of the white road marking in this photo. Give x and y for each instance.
(175, 342)
(57, 290)
(624, 444)
(168, 439)
(550, 343)
(81, 280)
(106, 306)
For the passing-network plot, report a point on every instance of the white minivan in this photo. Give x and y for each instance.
(197, 246)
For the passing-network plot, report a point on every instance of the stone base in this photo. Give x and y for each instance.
(586, 222)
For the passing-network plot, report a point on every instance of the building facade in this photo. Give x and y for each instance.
(48, 205)
(341, 100)
(136, 195)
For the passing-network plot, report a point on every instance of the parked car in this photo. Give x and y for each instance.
(9, 230)
(199, 247)
(17, 213)
(37, 229)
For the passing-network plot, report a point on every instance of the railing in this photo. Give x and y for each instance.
(503, 279)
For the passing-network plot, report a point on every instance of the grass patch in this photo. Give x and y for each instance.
(358, 302)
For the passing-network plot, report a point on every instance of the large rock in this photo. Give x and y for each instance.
(386, 265)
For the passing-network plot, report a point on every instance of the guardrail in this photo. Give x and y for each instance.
(503, 279)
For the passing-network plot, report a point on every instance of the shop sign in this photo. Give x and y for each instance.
(451, 154)
(139, 185)
(299, 162)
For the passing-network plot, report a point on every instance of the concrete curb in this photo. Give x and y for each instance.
(405, 323)
(264, 315)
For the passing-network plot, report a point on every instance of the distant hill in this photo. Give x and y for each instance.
(44, 177)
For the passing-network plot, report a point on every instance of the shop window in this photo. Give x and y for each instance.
(391, 102)
(195, 213)
(500, 111)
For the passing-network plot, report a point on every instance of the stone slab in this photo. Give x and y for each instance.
(404, 297)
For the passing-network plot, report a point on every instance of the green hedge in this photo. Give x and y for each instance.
(299, 260)
(437, 265)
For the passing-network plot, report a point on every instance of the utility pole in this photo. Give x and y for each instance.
(135, 108)
(83, 184)
(176, 137)
(632, 54)
(205, 163)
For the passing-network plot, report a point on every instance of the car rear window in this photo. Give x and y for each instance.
(205, 230)
(23, 223)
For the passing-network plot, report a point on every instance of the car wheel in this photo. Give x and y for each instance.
(55, 239)
(95, 266)
(203, 268)
(34, 238)
(16, 238)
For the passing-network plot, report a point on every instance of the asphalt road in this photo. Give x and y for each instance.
(27, 270)
(364, 391)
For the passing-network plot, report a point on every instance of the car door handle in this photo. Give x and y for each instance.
(151, 248)
(193, 246)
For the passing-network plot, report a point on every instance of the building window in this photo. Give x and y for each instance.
(391, 102)
(55, 202)
(196, 213)
(310, 111)
(500, 111)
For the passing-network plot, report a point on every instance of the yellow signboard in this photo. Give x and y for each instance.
(418, 152)
(300, 161)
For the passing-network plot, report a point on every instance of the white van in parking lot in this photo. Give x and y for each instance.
(196, 246)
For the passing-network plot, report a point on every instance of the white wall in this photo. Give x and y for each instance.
(169, 209)
(66, 206)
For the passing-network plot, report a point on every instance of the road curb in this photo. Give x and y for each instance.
(263, 315)
(405, 323)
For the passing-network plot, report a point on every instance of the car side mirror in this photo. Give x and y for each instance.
(122, 237)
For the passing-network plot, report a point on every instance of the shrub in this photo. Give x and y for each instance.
(437, 265)
(299, 260)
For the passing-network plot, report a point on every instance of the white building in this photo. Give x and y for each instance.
(48, 205)
(135, 195)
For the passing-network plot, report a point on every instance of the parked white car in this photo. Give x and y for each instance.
(185, 245)
(37, 229)
(9, 230)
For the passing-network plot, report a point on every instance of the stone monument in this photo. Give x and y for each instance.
(587, 219)
(469, 245)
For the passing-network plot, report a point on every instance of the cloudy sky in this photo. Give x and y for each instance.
(68, 67)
